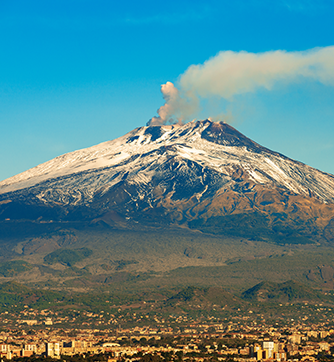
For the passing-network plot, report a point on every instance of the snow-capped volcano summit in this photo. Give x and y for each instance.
(183, 173)
(142, 155)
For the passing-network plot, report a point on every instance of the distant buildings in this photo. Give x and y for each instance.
(268, 350)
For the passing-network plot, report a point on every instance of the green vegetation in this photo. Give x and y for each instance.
(140, 308)
(14, 294)
(12, 268)
(186, 294)
(213, 295)
(67, 256)
(282, 292)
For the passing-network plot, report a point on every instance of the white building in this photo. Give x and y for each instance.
(52, 349)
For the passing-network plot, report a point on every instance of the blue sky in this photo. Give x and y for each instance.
(77, 73)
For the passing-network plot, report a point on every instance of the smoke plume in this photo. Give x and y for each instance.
(176, 107)
(232, 73)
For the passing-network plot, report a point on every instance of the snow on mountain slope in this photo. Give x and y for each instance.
(197, 150)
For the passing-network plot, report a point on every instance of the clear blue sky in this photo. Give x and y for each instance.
(77, 73)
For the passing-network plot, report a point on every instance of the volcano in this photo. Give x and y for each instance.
(202, 175)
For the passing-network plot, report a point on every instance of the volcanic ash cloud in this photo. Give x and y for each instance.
(177, 107)
(231, 73)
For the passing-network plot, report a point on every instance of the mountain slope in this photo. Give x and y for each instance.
(281, 292)
(203, 175)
